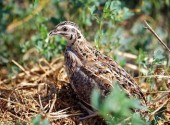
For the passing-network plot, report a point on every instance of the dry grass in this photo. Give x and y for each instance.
(44, 89)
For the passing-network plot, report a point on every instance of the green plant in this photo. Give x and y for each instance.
(116, 108)
(39, 121)
(112, 13)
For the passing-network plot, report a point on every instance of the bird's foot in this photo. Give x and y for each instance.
(91, 113)
(94, 114)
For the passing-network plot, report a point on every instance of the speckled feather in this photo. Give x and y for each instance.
(88, 68)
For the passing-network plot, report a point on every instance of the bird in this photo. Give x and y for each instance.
(88, 68)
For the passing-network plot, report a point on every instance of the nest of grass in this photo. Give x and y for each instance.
(44, 89)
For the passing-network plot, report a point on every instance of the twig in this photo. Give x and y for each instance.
(17, 117)
(61, 58)
(154, 76)
(168, 91)
(61, 114)
(154, 33)
(11, 27)
(40, 103)
(126, 55)
(13, 77)
(154, 112)
(52, 105)
(47, 73)
(43, 60)
(21, 67)
(163, 96)
(16, 103)
(5, 81)
(134, 67)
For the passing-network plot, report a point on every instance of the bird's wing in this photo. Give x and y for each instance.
(84, 80)
(105, 69)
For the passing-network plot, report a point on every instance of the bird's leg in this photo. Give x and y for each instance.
(90, 112)
(89, 116)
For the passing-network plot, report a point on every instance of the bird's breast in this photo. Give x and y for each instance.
(72, 62)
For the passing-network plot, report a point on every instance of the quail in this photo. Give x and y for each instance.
(88, 68)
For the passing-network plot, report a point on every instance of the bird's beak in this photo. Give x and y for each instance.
(53, 32)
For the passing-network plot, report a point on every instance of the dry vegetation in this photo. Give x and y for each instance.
(44, 89)
(40, 89)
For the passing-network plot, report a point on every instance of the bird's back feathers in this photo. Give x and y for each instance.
(88, 68)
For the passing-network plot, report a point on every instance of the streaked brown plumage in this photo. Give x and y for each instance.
(88, 68)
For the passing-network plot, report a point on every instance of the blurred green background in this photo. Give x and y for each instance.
(113, 25)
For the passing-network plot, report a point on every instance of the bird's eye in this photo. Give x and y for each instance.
(64, 29)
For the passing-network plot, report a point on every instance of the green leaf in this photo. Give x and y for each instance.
(116, 103)
(95, 98)
(39, 121)
(158, 54)
(43, 31)
(36, 120)
(136, 120)
(107, 5)
(35, 3)
(92, 9)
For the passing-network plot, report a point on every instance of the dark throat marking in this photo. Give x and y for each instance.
(71, 37)
(79, 37)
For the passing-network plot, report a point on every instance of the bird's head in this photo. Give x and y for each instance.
(68, 30)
